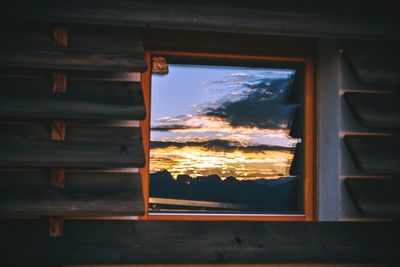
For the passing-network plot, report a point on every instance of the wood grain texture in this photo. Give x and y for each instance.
(59, 82)
(56, 226)
(72, 74)
(375, 154)
(71, 154)
(60, 36)
(78, 47)
(367, 21)
(375, 110)
(84, 99)
(77, 37)
(376, 197)
(117, 242)
(74, 131)
(57, 178)
(85, 194)
(68, 59)
(224, 43)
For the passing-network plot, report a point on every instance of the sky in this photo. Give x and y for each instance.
(222, 120)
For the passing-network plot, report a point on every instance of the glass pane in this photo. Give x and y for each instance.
(220, 140)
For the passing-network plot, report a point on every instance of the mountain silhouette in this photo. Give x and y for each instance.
(277, 195)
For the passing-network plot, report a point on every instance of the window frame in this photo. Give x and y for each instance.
(309, 140)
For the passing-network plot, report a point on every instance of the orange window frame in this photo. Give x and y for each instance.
(310, 159)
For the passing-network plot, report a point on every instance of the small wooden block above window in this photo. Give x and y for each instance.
(159, 65)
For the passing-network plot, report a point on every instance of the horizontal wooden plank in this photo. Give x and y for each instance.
(89, 47)
(375, 154)
(228, 43)
(99, 38)
(367, 21)
(375, 109)
(84, 99)
(110, 134)
(375, 66)
(376, 197)
(132, 242)
(40, 130)
(69, 59)
(25, 131)
(71, 154)
(28, 193)
(71, 74)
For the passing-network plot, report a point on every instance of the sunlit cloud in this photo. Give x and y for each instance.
(242, 130)
(189, 127)
(199, 161)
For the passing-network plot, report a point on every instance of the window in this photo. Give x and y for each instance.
(229, 137)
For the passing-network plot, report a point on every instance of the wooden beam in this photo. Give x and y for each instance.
(57, 178)
(56, 226)
(52, 203)
(223, 43)
(90, 193)
(132, 242)
(60, 36)
(58, 126)
(101, 131)
(57, 130)
(71, 154)
(346, 20)
(57, 175)
(85, 99)
(68, 59)
(59, 82)
(78, 37)
(108, 76)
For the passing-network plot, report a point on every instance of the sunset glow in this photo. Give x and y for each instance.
(189, 128)
(225, 121)
(198, 161)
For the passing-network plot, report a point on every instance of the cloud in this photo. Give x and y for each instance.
(190, 128)
(255, 114)
(274, 85)
(262, 104)
(242, 131)
(216, 145)
(250, 108)
(220, 157)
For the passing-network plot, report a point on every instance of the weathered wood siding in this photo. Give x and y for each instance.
(343, 19)
(99, 146)
(117, 242)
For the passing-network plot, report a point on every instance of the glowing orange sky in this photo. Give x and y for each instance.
(199, 161)
(185, 131)
(202, 128)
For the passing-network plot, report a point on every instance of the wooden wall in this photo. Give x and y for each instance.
(70, 105)
(123, 242)
(70, 145)
(370, 128)
(333, 19)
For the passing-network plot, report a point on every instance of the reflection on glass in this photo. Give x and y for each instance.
(220, 140)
